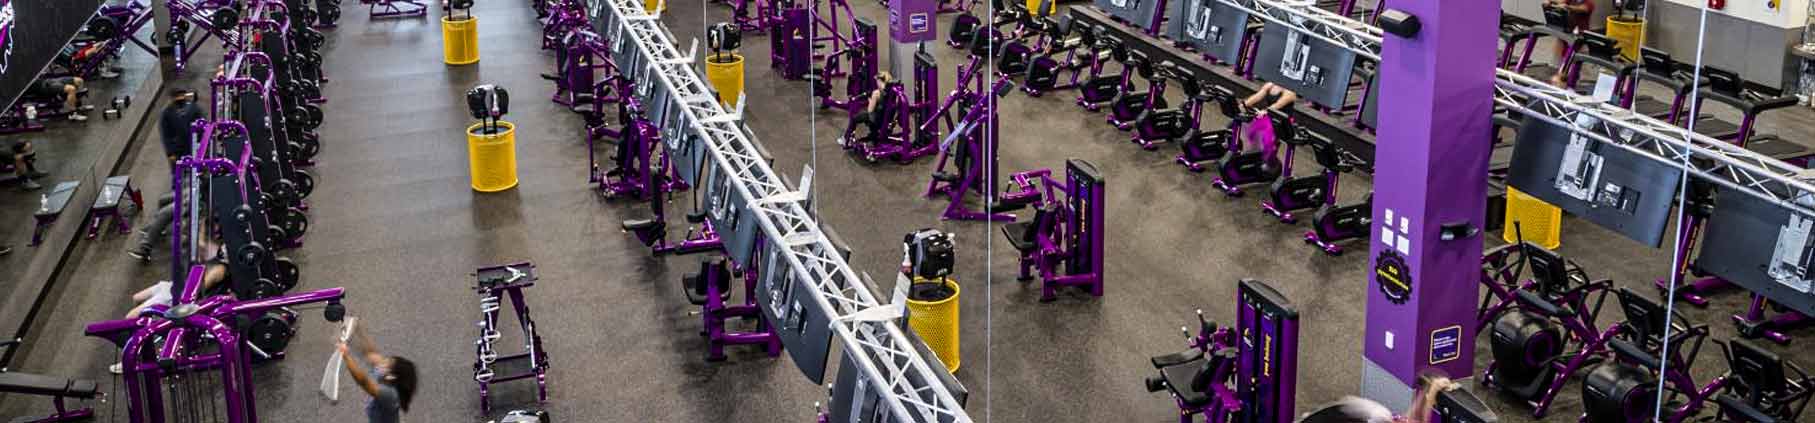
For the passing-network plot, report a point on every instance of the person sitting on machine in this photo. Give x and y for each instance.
(162, 293)
(1361, 410)
(391, 380)
(1281, 98)
(868, 119)
(68, 88)
(25, 165)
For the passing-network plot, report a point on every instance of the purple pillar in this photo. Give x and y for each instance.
(1435, 128)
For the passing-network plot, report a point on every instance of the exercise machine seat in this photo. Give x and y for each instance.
(1735, 407)
(1190, 380)
(1177, 358)
(1024, 236)
(32, 384)
(695, 283)
(636, 225)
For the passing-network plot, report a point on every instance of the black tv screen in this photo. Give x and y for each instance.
(32, 32)
(1615, 188)
(1211, 27)
(787, 305)
(1315, 69)
(1760, 246)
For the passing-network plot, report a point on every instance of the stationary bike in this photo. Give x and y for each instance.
(1044, 72)
(1198, 146)
(1334, 222)
(1248, 167)
(1099, 89)
(1128, 104)
(1159, 124)
(1290, 193)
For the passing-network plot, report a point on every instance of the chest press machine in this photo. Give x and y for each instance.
(1064, 241)
(970, 152)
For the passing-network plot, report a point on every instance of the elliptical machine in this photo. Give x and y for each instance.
(1334, 222)
(1532, 355)
(1625, 390)
(1290, 193)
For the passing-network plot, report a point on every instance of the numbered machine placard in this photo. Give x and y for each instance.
(1605, 184)
(1138, 12)
(1211, 27)
(1315, 69)
(1761, 246)
(787, 304)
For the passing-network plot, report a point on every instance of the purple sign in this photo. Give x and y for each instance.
(919, 23)
(1446, 344)
(911, 21)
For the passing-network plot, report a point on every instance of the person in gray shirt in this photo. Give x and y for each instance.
(389, 379)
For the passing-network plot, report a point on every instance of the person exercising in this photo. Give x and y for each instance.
(391, 380)
(25, 165)
(1260, 131)
(1581, 13)
(163, 292)
(1361, 410)
(868, 119)
(68, 87)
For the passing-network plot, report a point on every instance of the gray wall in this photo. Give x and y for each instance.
(1759, 52)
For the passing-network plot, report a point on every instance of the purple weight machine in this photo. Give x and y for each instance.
(905, 126)
(643, 169)
(495, 284)
(1067, 227)
(1244, 374)
(216, 18)
(791, 45)
(586, 71)
(564, 17)
(970, 150)
(653, 232)
(711, 289)
(752, 15)
(170, 349)
(1625, 390)
(1544, 330)
(860, 49)
(108, 32)
(392, 9)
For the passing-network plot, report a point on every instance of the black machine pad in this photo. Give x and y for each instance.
(31, 384)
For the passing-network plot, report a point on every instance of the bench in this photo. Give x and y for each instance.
(49, 386)
(50, 207)
(107, 205)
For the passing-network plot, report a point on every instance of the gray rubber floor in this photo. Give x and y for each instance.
(393, 220)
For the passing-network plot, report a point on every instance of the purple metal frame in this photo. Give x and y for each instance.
(791, 46)
(905, 139)
(714, 313)
(976, 135)
(1580, 330)
(523, 276)
(1073, 235)
(183, 329)
(861, 48)
(198, 14)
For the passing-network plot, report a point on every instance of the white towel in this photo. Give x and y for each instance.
(330, 377)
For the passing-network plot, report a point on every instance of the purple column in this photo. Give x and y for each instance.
(1434, 143)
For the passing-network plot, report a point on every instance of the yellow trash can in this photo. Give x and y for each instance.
(1051, 7)
(460, 40)
(726, 73)
(655, 6)
(491, 155)
(1629, 31)
(1538, 221)
(933, 313)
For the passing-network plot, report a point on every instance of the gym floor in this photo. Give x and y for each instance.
(396, 224)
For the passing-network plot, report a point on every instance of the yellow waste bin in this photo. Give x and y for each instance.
(1051, 7)
(933, 313)
(1629, 31)
(1537, 221)
(655, 6)
(491, 153)
(726, 73)
(460, 40)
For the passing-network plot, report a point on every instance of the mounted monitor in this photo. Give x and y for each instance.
(787, 304)
(1370, 103)
(1605, 184)
(1140, 13)
(1211, 27)
(1315, 69)
(1760, 246)
(731, 216)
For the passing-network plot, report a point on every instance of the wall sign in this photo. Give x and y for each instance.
(1446, 344)
(1394, 278)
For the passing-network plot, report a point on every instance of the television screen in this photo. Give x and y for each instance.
(1315, 69)
(1615, 188)
(1761, 246)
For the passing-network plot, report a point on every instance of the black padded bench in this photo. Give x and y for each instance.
(107, 205)
(53, 204)
(49, 386)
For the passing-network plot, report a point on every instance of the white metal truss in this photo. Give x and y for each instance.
(1305, 17)
(1717, 161)
(891, 366)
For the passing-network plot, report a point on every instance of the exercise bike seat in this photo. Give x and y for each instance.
(638, 225)
(694, 284)
(1024, 236)
(34, 384)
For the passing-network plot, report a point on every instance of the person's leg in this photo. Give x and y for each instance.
(216, 273)
(153, 231)
(22, 169)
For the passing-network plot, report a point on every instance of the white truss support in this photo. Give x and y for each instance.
(893, 368)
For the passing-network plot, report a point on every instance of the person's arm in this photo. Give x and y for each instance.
(360, 377)
(1286, 98)
(365, 345)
